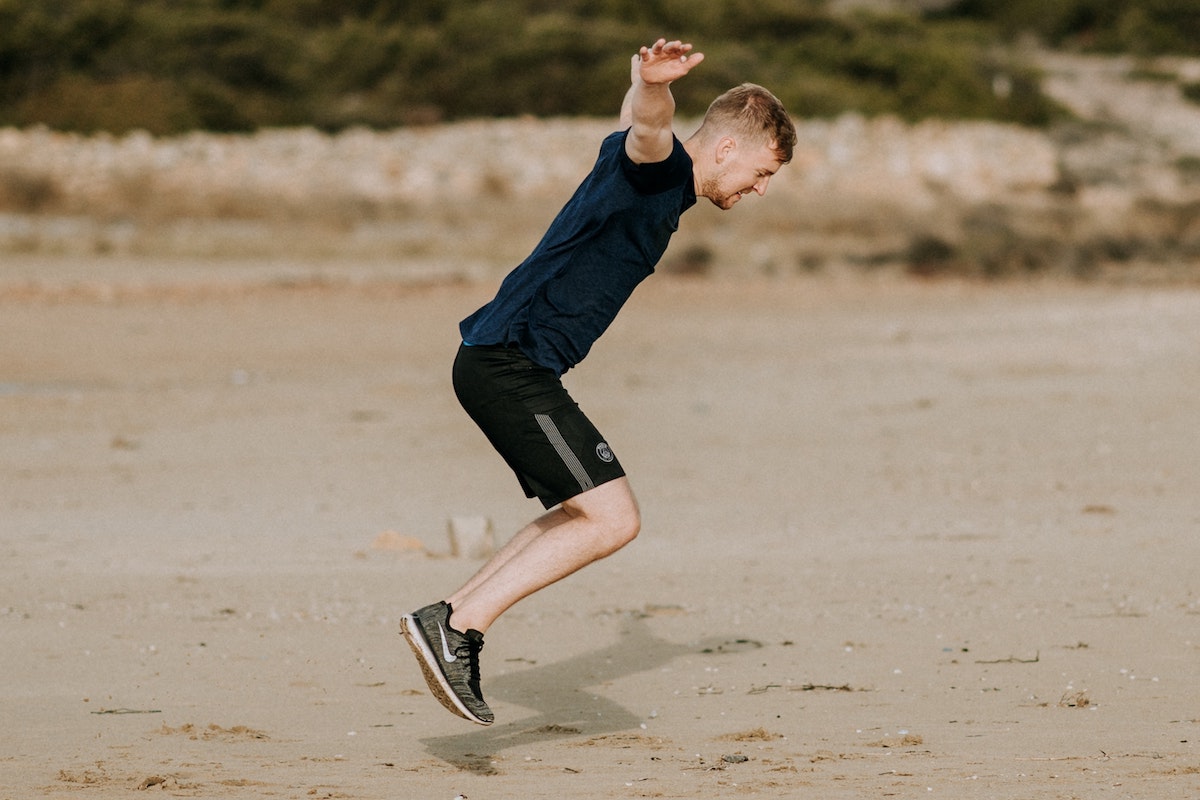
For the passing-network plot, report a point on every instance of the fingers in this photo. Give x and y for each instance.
(662, 49)
(671, 48)
(664, 62)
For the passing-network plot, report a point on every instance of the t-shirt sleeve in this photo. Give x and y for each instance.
(658, 176)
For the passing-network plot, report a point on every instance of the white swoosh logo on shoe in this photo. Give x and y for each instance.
(446, 654)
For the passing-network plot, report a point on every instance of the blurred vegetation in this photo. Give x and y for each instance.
(167, 66)
(1139, 27)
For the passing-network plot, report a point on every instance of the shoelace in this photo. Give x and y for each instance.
(469, 650)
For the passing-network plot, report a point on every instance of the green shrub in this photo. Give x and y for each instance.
(230, 65)
(1145, 27)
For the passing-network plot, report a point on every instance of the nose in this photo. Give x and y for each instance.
(760, 188)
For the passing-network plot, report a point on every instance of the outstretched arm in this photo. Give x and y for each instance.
(649, 108)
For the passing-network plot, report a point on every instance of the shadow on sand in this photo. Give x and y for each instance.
(556, 693)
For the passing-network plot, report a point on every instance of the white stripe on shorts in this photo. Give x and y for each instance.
(569, 458)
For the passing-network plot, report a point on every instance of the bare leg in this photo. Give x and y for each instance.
(518, 542)
(584, 529)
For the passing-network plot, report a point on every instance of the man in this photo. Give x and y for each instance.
(544, 319)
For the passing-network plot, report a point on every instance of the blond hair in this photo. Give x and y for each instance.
(750, 110)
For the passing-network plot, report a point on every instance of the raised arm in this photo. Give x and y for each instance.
(649, 108)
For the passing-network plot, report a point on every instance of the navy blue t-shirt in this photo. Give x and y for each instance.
(604, 242)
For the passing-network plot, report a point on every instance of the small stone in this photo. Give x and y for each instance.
(470, 537)
(396, 542)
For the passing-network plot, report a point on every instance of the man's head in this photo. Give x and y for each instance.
(746, 136)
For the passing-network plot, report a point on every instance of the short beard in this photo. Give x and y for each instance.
(711, 189)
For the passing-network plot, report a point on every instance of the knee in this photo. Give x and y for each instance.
(614, 516)
(614, 526)
(625, 526)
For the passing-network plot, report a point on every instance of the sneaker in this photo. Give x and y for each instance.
(449, 659)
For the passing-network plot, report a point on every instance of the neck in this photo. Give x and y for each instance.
(693, 148)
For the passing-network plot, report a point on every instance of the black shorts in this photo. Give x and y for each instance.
(533, 423)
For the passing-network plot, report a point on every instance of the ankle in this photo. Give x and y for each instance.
(462, 623)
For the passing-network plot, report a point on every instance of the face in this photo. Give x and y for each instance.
(739, 170)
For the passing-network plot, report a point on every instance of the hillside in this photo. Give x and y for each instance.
(242, 65)
(1116, 192)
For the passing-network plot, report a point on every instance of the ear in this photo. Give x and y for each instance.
(725, 146)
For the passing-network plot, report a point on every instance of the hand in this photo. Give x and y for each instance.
(664, 62)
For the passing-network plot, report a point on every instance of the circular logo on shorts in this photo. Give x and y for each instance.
(604, 452)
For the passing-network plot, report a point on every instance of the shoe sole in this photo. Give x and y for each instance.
(433, 674)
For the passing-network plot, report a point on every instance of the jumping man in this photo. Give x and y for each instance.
(544, 319)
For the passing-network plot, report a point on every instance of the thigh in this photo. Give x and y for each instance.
(535, 425)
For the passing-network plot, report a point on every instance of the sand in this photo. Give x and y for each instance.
(901, 540)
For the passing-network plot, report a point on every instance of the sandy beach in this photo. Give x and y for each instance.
(901, 539)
